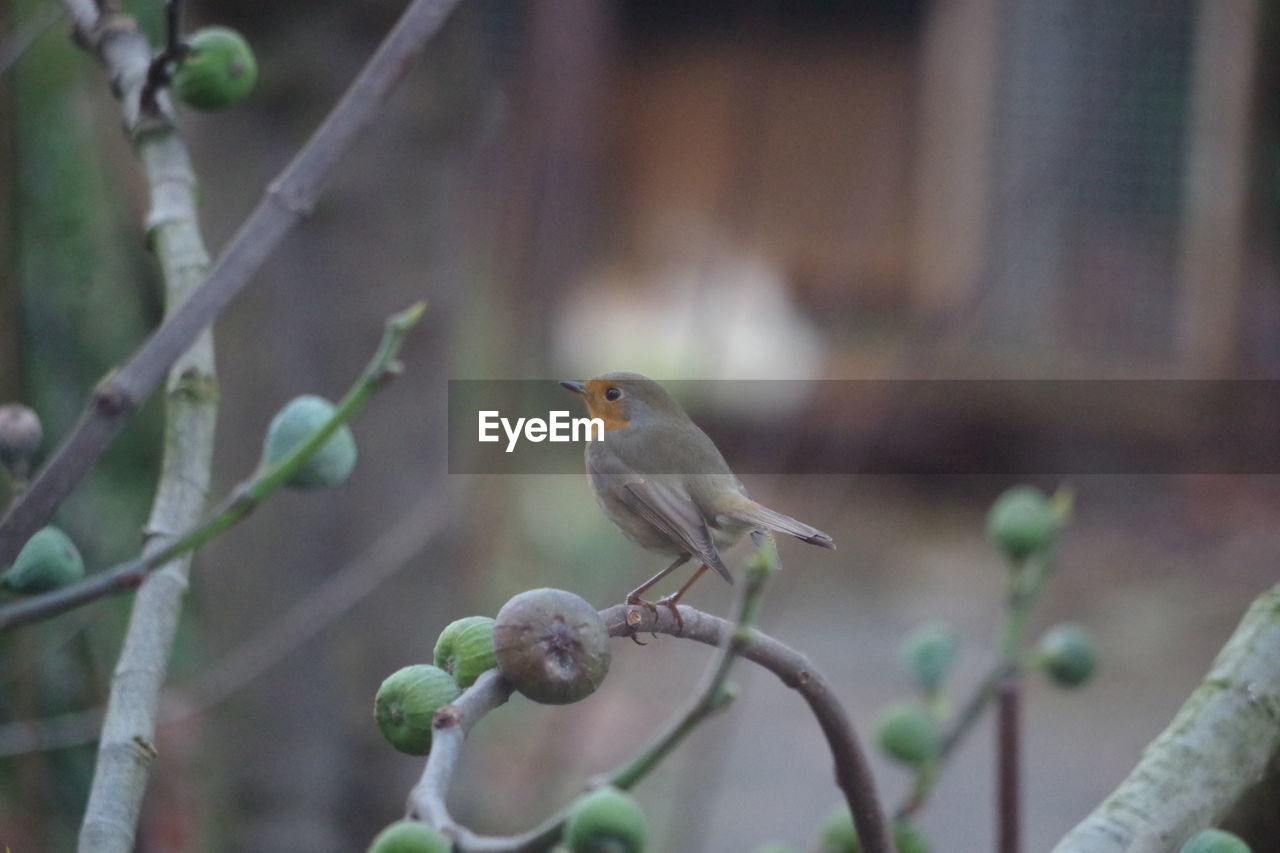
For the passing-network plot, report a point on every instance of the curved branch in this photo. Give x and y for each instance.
(123, 51)
(1216, 748)
(792, 668)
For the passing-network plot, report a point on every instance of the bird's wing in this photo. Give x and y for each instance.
(670, 509)
(761, 517)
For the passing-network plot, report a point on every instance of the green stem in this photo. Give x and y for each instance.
(267, 480)
(242, 500)
(1025, 586)
(1026, 583)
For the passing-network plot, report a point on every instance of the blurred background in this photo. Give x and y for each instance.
(813, 189)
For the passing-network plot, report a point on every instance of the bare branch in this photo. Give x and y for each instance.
(124, 52)
(792, 668)
(1216, 748)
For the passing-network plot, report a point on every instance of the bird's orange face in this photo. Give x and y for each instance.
(605, 400)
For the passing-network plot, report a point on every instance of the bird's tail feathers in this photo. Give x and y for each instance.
(761, 516)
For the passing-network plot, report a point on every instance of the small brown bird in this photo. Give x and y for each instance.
(662, 481)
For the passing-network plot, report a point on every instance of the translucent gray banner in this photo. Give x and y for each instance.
(905, 427)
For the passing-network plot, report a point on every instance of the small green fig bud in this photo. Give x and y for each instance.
(551, 645)
(407, 703)
(465, 649)
(294, 424)
(838, 834)
(1069, 654)
(410, 836)
(1215, 841)
(20, 435)
(1022, 522)
(218, 70)
(908, 839)
(927, 656)
(606, 820)
(48, 561)
(906, 731)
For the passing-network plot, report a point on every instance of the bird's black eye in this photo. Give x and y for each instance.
(612, 394)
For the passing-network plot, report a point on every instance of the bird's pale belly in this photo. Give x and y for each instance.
(724, 531)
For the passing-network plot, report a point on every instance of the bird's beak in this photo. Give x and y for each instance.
(575, 387)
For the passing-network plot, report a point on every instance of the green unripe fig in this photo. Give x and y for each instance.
(908, 839)
(1022, 522)
(407, 703)
(606, 820)
(1069, 654)
(838, 834)
(48, 561)
(465, 649)
(218, 70)
(906, 731)
(1214, 841)
(410, 836)
(294, 424)
(927, 656)
(20, 434)
(551, 645)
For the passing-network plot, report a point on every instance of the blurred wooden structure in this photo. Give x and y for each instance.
(1064, 187)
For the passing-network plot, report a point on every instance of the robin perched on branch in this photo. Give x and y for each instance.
(662, 481)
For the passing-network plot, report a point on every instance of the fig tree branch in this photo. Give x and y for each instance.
(191, 402)
(123, 51)
(1216, 748)
(242, 500)
(792, 668)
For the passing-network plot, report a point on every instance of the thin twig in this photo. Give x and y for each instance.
(160, 71)
(287, 200)
(1026, 583)
(957, 729)
(794, 669)
(242, 500)
(1008, 773)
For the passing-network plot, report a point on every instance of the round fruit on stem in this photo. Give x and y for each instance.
(1022, 522)
(1068, 654)
(217, 71)
(1215, 841)
(406, 705)
(907, 733)
(552, 646)
(331, 464)
(48, 561)
(409, 836)
(465, 649)
(606, 819)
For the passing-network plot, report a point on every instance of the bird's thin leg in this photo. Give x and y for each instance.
(672, 600)
(634, 598)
